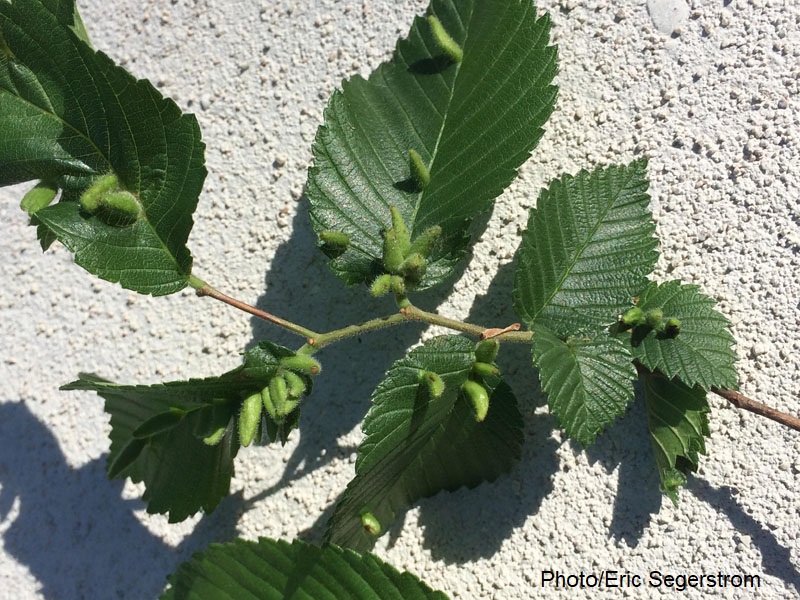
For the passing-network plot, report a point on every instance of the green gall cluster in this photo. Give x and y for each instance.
(278, 399)
(109, 201)
(388, 283)
(652, 319)
(483, 366)
(92, 199)
(405, 261)
(446, 43)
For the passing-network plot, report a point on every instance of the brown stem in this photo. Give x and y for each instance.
(741, 401)
(412, 313)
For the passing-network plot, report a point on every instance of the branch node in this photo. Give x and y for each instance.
(487, 334)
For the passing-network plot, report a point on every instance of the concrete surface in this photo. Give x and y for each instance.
(713, 104)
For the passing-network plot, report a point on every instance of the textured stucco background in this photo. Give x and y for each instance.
(707, 90)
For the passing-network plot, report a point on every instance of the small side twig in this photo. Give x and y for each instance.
(203, 289)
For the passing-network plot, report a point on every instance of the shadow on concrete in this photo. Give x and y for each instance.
(72, 529)
(776, 560)
(626, 446)
(449, 520)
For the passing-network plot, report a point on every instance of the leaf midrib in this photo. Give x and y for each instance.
(445, 118)
(585, 245)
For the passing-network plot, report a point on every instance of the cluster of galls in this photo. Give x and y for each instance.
(405, 261)
(651, 319)
(474, 388)
(278, 399)
(107, 200)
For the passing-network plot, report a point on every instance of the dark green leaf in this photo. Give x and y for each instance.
(676, 417)
(587, 251)
(159, 424)
(418, 445)
(701, 353)
(472, 123)
(157, 432)
(276, 570)
(68, 115)
(588, 381)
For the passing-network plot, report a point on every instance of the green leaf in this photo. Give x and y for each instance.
(701, 353)
(69, 115)
(157, 431)
(471, 123)
(587, 251)
(588, 381)
(676, 417)
(417, 444)
(276, 570)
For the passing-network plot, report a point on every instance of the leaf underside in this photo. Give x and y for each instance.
(67, 115)
(588, 381)
(587, 252)
(676, 418)
(417, 445)
(276, 570)
(181, 473)
(473, 124)
(701, 354)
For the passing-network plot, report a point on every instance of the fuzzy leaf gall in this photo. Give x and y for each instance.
(426, 241)
(400, 230)
(92, 198)
(393, 255)
(419, 170)
(335, 238)
(302, 363)
(478, 397)
(633, 317)
(381, 285)
(486, 351)
(266, 401)
(371, 525)
(485, 369)
(654, 318)
(446, 43)
(294, 384)
(215, 438)
(249, 419)
(433, 382)
(414, 267)
(38, 197)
